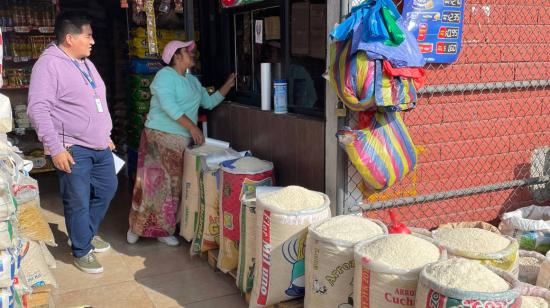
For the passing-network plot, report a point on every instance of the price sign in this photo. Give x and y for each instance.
(45, 29)
(452, 3)
(22, 29)
(437, 25)
(446, 48)
(451, 17)
(448, 33)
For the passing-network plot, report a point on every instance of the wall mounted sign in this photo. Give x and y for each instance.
(437, 25)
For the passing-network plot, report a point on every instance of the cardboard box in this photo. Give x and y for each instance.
(318, 31)
(299, 28)
(272, 27)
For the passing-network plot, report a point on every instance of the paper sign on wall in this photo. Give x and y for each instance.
(259, 32)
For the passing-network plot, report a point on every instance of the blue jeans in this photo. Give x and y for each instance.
(87, 192)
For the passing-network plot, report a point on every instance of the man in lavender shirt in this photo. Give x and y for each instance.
(68, 108)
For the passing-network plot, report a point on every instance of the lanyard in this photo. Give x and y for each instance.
(87, 75)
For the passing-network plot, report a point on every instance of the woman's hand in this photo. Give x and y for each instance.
(228, 85)
(197, 135)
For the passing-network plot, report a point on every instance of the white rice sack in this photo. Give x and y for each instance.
(8, 268)
(7, 204)
(6, 297)
(207, 235)
(189, 209)
(533, 302)
(543, 279)
(6, 117)
(247, 245)
(529, 266)
(35, 268)
(329, 258)
(530, 226)
(282, 221)
(481, 245)
(239, 177)
(534, 297)
(459, 282)
(48, 257)
(387, 268)
(8, 235)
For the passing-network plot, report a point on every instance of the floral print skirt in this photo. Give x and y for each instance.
(158, 187)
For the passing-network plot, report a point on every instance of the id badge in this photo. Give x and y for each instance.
(98, 104)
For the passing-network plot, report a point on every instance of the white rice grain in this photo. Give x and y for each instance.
(533, 302)
(402, 251)
(466, 275)
(349, 228)
(251, 164)
(294, 198)
(471, 240)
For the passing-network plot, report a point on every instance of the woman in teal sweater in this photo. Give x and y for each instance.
(170, 127)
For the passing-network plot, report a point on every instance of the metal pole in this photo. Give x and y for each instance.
(451, 194)
(464, 87)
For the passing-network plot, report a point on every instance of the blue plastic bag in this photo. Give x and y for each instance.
(407, 54)
(377, 19)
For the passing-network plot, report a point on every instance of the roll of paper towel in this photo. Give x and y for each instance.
(266, 85)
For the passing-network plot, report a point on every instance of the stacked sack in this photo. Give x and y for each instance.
(376, 69)
(199, 212)
(139, 98)
(238, 177)
(25, 261)
(139, 41)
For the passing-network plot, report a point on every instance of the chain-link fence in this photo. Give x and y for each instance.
(480, 127)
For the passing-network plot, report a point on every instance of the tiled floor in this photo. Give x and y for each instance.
(146, 274)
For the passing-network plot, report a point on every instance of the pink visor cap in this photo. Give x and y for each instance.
(171, 48)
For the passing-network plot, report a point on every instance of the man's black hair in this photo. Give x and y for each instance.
(70, 22)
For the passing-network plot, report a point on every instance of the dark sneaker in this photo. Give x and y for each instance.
(88, 264)
(100, 245)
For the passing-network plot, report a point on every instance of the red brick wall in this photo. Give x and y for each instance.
(484, 137)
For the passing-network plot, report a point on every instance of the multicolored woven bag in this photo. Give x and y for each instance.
(364, 85)
(383, 152)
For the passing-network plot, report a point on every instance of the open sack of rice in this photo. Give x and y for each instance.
(247, 244)
(534, 297)
(480, 245)
(459, 282)
(238, 177)
(282, 221)
(543, 278)
(387, 268)
(329, 258)
(530, 263)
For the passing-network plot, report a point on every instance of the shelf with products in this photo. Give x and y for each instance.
(27, 29)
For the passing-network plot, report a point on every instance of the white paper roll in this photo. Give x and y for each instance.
(217, 143)
(266, 85)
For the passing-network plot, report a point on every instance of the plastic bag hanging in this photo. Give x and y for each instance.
(378, 18)
(352, 76)
(407, 54)
(364, 85)
(382, 152)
